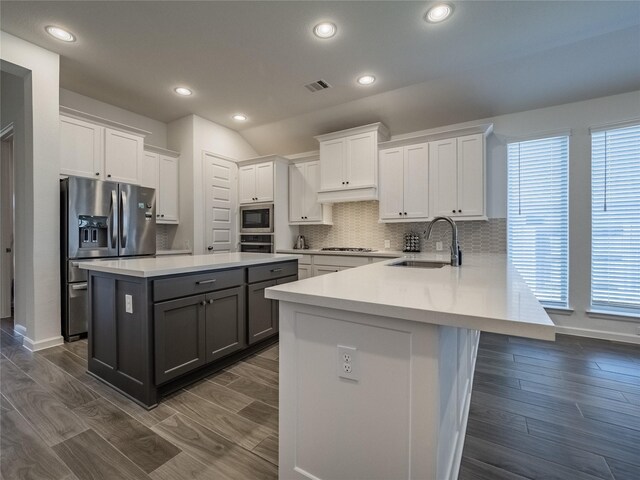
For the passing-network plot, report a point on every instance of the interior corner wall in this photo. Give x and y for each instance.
(37, 193)
(191, 136)
(157, 129)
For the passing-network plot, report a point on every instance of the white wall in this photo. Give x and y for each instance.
(37, 193)
(157, 137)
(191, 136)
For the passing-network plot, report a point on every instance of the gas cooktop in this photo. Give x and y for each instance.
(347, 249)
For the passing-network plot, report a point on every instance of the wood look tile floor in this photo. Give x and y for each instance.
(539, 410)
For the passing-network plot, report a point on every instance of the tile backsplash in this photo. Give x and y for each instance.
(355, 224)
(163, 241)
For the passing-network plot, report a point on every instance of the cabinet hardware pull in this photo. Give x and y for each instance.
(97, 173)
(109, 175)
(210, 301)
(405, 213)
(459, 211)
(347, 183)
(203, 303)
(399, 213)
(453, 211)
(276, 270)
(203, 282)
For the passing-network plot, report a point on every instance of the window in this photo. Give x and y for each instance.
(615, 220)
(538, 210)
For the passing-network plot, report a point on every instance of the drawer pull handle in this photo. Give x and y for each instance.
(203, 282)
(80, 286)
(276, 270)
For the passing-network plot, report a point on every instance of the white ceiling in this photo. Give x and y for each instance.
(254, 57)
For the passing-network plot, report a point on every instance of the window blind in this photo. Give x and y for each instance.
(615, 220)
(538, 210)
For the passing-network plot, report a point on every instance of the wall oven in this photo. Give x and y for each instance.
(256, 218)
(256, 243)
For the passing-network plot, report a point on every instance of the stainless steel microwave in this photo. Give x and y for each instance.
(256, 218)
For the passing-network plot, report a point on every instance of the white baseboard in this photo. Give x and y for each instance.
(586, 332)
(20, 329)
(42, 344)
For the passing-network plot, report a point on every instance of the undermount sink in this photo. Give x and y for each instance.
(419, 264)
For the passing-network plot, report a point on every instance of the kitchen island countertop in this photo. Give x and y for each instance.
(177, 264)
(485, 293)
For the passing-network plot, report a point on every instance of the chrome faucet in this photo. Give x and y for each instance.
(456, 254)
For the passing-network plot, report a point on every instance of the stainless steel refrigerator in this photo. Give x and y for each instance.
(99, 220)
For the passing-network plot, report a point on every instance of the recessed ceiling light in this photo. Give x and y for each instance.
(366, 79)
(60, 34)
(439, 13)
(184, 91)
(325, 30)
(240, 117)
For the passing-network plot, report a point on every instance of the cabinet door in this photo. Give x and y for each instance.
(247, 184)
(391, 184)
(179, 337)
(260, 312)
(324, 270)
(168, 190)
(313, 209)
(471, 191)
(225, 322)
(443, 182)
(332, 159)
(297, 192)
(123, 152)
(81, 148)
(304, 271)
(362, 165)
(416, 181)
(148, 171)
(264, 182)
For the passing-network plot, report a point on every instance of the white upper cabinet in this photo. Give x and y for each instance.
(457, 177)
(404, 181)
(255, 183)
(349, 164)
(98, 148)
(160, 171)
(81, 148)
(122, 153)
(304, 208)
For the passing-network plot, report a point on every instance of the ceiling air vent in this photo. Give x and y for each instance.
(317, 86)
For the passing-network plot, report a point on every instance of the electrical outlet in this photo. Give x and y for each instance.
(347, 363)
(387, 244)
(128, 303)
(438, 246)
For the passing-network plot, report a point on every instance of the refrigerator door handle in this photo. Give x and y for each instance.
(114, 201)
(124, 214)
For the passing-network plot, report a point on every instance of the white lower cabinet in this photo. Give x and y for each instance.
(304, 271)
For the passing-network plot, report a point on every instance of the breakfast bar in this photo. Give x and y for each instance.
(377, 362)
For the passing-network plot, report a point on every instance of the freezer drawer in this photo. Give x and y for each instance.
(77, 310)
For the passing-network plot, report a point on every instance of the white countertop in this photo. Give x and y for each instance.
(377, 253)
(485, 293)
(176, 264)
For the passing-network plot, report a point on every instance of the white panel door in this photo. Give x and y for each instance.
(264, 182)
(471, 195)
(443, 182)
(296, 192)
(312, 207)
(416, 181)
(361, 160)
(220, 204)
(332, 158)
(148, 171)
(247, 184)
(168, 189)
(391, 184)
(304, 271)
(81, 148)
(123, 152)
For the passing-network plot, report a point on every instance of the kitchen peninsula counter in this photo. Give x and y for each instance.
(399, 408)
(158, 324)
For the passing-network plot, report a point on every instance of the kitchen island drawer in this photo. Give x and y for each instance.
(272, 271)
(184, 285)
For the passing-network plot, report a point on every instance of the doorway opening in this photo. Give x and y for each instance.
(7, 214)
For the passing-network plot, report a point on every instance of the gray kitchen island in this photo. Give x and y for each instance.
(158, 324)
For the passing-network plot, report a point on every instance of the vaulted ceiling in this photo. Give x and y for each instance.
(255, 57)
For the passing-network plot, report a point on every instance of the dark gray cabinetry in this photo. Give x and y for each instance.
(262, 312)
(179, 337)
(225, 323)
